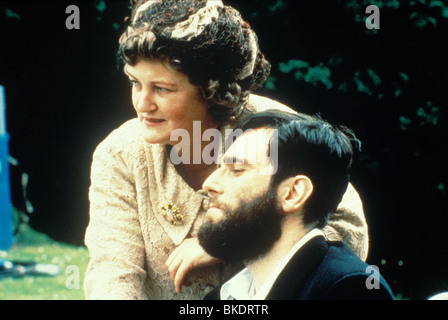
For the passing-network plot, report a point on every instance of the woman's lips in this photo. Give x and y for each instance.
(152, 122)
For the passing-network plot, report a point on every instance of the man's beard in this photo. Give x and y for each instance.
(246, 233)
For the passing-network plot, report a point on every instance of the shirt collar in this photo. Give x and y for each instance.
(241, 286)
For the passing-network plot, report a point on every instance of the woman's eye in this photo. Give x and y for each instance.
(134, 83)
(160, 89)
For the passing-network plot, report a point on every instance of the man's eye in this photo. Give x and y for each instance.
(237, 170)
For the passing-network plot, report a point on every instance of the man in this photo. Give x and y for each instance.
(272, 222)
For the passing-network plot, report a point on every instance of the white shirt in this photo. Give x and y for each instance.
(242, 286)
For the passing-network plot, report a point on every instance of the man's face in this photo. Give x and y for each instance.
(244, 218)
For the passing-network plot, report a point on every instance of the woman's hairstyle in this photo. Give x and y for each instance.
(204, 39)
(308, 145)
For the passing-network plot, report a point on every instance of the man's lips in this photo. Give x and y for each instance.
(212, 204)
(214, 213)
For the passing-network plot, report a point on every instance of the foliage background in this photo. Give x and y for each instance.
(65, 93)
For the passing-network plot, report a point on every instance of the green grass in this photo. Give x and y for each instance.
(37, 247)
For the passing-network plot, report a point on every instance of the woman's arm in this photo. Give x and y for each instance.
(113, 236)
(187, 256)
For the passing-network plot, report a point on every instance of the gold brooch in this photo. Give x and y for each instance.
(172, 214)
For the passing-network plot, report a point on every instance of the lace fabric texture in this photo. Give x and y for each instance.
(128, 238)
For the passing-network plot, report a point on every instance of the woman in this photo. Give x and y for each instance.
(189, 62)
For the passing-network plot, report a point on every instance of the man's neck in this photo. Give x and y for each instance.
(262, 267)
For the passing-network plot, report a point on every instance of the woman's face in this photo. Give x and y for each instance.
(165, 100)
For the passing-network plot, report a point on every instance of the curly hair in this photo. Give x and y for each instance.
(205, 40)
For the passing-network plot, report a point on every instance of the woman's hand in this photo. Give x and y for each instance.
(187, 256)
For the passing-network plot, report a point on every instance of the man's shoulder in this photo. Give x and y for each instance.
(343, 275)
(326, 270)
(341, 258)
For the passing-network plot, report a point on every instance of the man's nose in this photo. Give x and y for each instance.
(212, 185)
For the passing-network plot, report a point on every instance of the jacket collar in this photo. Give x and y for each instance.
(291, 280)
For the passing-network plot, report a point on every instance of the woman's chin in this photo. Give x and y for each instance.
(154, 136)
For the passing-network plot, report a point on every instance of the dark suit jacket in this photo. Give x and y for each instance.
(323, 270)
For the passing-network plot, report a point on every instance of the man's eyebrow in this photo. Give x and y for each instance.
(231, 160)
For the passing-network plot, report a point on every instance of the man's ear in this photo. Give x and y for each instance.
(293, 193)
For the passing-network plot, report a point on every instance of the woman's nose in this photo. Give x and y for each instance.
(145, 102)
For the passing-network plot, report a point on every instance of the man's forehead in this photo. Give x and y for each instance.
(250, 147)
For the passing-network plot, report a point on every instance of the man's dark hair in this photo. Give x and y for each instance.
(308, 145)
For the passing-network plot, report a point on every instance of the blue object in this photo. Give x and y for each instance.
(6, 229)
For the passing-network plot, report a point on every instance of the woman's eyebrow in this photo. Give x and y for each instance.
(126, 71)
(129, 74)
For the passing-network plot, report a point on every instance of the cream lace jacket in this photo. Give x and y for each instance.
(128, 238)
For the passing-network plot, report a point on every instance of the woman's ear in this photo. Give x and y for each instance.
(293, 193)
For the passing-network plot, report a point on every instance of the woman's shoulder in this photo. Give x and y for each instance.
(121, 136)
(261, 103)
(125, 141)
